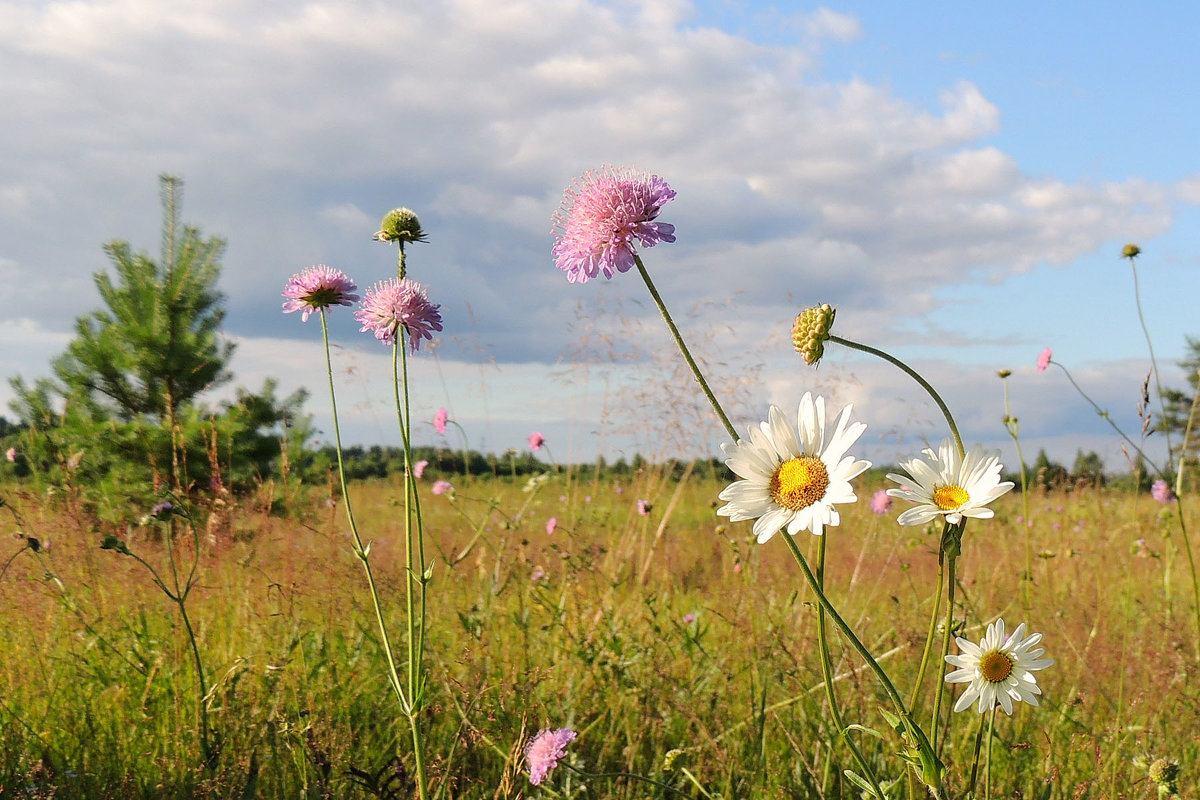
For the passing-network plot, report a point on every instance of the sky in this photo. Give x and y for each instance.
(958, 180)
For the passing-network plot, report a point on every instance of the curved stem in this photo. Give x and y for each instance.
(1137, 301)
(1104, 414)
(946, 636)
(912, 374)
(666, 315)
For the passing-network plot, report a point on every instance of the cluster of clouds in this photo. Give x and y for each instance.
(296, 125)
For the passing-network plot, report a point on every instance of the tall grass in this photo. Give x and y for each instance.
(646, 634)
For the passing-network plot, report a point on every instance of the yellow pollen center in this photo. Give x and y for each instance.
(950, 498)
(995, 666)
(798, 483)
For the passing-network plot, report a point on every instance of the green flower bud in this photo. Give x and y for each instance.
(400, 225)
(1131, 251)
(810, 330)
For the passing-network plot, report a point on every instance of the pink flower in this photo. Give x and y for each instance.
(536, 440)
(537, 575)
(544, 750)
(1044, 360)
(603, 212)
(688, 619)
(441, 487)
(11, 454)
(643, 508)
(392, 303)
(1161, 491)
(551, 525)
(881, 503)
(316, 289)
(419, 469)
(439, 420)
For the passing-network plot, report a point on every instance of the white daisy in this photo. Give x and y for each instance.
(946, 484)
(999, 669)
(792, 475)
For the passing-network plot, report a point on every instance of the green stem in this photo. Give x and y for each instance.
(1104, 414)
(687, 355)
(987, 775)
(630, 775)
(827, 677)
(946, 636)
(975, 759)
(1137, 300)
(929, 637)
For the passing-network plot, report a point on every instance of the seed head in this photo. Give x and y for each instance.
(1164, 772)
(810, 330)
(400, 225)
(1004, 373)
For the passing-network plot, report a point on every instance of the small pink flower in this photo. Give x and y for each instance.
(537, 575)
(11, 454)
(688, 619)
(316, 289)
(1044, 360)
(587, 498)
(392, 303)
(551, 525)
(439, 420)
(643, 508)
(1161, 491)
(441, 487)
(75, 460)
(881, 503)
(544, 750)
(419, 469)
(536, 440)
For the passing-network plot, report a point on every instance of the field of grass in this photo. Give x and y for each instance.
(646, 634)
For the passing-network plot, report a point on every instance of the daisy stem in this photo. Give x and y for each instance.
(932, 772)
(930, 636)
(946, 635)
(975, 760)
(962, 453)
(360, 551)
(683, 348)
(987, 773)
(827, 676)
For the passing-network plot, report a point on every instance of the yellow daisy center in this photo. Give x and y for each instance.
(950, 497)
(798, 483)
(996, 666)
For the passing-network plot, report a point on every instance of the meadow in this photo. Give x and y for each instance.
(645, 633)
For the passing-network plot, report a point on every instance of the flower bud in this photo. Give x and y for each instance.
(400, 225)
(810, 330)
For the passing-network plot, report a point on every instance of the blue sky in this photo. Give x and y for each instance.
(957, 179)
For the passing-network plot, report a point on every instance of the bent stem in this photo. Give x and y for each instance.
(687, 355)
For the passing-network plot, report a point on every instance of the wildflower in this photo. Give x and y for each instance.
(1044, 359)
(603, 211)
(400, 225)
(689, 618)
(316, 289)
(944, 484)
(643, 508)
(1131, 251)
(75, 460)
(1003, 373)
(810, 330)
(390, 304)
(441, 487)
(439, 420)
(1164, 773)
(793, 475)
(544, 750)
(161, 508)
(881, 502)
(551, 525)
(419, 468)
(537, 575)
(11, 454)
(999, 669)
(1161, 491)
(536, 440)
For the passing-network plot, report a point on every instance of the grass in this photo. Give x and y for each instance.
(99, 692)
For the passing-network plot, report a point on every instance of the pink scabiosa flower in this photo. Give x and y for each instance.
(440, 419)
(1044, 359)
(551, 525)
(881, 502)
(603, 211)
(1161, 491)
(643, 508)
(392, 303)
(419, 469)
(316, 289)
(11, 454)
(536, 440)
(544, 750)
(441, 487)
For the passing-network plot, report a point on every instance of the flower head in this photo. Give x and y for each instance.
(1131, 251)
(400, 225)
(793, 475)
(392, 303)
(419, 468)
(1044, 359)
(643, 508)
(999, 669)
(439, 420)
(603, 211)
(943, 484)
(1161, 491)
(316, 289)
(536, 440)
(881, 502)
(544, 750)
(441, 487)
(551, 525)
(810, 330)
(11, 454)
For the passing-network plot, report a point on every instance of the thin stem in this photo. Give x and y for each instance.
(1014, 430)
(975, 759)
(1104, 414)
(929, 637)
(1137, 300)
(666, 315)
(987, 775)
(630, 775)
(946, 635)
(827, 677)
(912, 374)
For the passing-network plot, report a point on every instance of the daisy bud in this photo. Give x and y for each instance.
(810, 330)
(400, 225)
